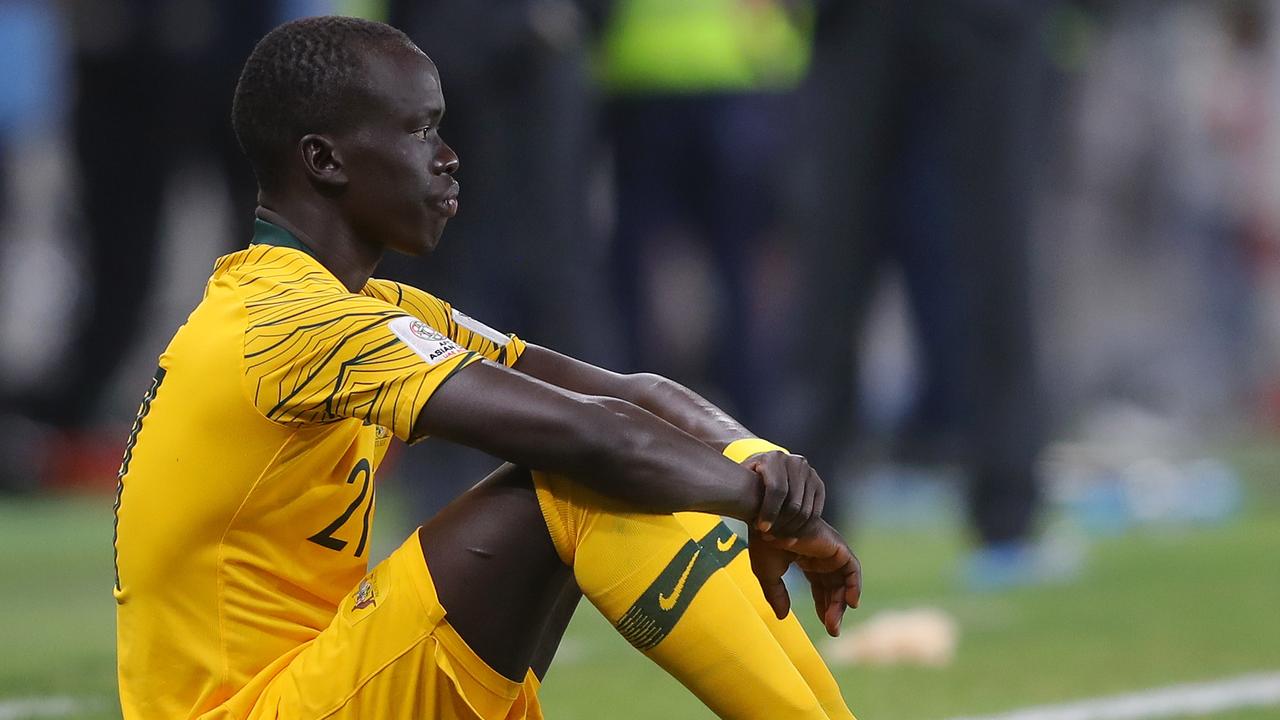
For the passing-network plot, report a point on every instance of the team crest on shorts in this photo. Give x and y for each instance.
(366, 594)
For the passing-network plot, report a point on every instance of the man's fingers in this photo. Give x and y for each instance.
(769, 563)
(802, 485)
(834, 562)
(811, 491)
(819, 596)
(790, 518)
(793, 494)
(853, 582)
(778, 598)
(821, 548)
(844, 571)
(794, 515)
(834, 573)
(826, 559)
(834, 617)
(828, 601)
(775, 490)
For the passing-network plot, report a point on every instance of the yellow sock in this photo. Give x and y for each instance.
(788, 632)
(662, 581)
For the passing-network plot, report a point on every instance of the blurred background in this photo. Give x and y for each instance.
(1006, 271)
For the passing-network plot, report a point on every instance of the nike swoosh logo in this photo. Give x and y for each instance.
(726, 544)
(667, 602)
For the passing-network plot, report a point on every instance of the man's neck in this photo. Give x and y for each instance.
(330, 241)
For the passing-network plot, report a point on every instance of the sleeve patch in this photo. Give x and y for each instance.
(480, 329)
(430, 344)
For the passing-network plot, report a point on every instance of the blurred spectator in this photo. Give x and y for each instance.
(1163, 214)
(29, 64)
(152, 82)
(30, 91)
(696, 99)
(920, 126)
(521, 118)
(1160, 228)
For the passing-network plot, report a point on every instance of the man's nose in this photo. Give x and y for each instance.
(446, 161)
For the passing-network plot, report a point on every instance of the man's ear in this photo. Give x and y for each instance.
(322, 162)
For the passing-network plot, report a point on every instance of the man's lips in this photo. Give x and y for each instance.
(448, 202)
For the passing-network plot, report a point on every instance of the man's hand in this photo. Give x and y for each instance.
(834, 573)
(793, 492)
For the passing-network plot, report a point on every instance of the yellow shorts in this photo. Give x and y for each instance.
(389, 653)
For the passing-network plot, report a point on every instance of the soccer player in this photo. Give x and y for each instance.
(246, 492)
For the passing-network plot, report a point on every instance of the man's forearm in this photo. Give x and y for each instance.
(657, 466)
(665, 398)
(607, 444)
(790, 490)
(685, 409)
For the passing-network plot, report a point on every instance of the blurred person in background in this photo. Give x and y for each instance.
(696, 98)
(1160, 317)
(30, 104)
(152, 77)
(29, 65)
(1165, 209)
(919, 135)
(518, 73)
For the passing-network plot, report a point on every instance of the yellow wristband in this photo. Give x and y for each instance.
(740, 450)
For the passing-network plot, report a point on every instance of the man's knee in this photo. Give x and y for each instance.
(495, 569)
(498, 517)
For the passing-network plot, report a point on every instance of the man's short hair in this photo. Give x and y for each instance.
(306, 76)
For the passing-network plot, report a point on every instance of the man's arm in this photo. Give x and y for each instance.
(609, 445)
(625, 452)
(793, 492)
(665, 398)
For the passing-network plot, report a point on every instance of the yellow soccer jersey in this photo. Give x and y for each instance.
(246, 492)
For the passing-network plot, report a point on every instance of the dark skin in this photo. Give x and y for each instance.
(386, 183)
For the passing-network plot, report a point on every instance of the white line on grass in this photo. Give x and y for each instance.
(38, 707)
(1187, 700)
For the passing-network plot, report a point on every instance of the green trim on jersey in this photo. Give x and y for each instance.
(265, 233)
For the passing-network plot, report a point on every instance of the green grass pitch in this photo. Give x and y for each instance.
(1153, 607)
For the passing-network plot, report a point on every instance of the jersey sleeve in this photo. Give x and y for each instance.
(318, 359)
(458, 327)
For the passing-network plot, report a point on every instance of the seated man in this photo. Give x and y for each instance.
(246, 492)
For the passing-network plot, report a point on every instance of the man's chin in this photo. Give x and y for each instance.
(416, 247)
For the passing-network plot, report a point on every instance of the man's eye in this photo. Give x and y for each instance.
(422, 133)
